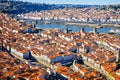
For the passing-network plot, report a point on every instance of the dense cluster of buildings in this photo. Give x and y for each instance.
(12, 68)
(77, 15)
(55, 49)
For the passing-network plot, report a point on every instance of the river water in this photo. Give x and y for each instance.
(74, 28)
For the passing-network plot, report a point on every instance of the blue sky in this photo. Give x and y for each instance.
(98, 2)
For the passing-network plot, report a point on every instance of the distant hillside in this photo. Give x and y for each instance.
(18, 7)
(111, 7)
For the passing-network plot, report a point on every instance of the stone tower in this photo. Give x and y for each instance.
(94, 30)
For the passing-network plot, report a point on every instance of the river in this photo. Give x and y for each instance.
(74, 28)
